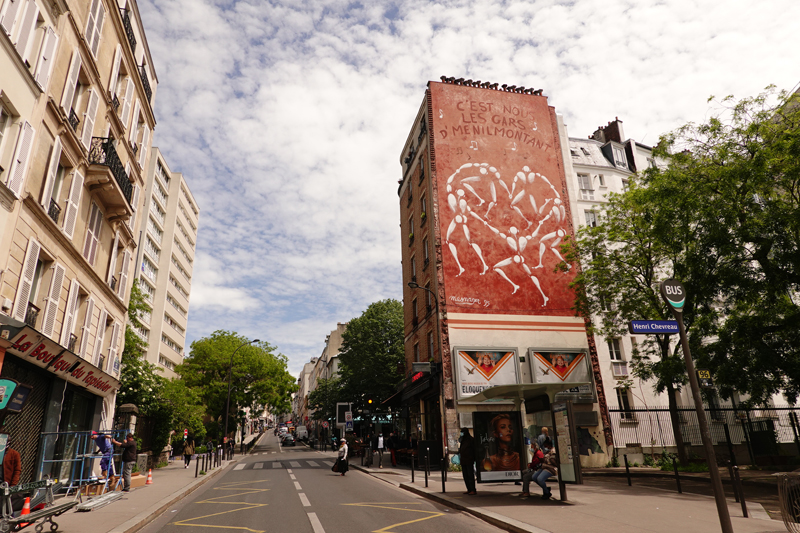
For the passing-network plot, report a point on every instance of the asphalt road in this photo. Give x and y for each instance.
(293, 490)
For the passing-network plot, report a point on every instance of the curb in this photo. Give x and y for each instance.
(145, 517)
(671, 475)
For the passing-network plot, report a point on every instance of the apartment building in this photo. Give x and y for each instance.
(76, 116)
(167, 241)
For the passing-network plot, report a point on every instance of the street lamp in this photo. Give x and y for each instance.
(415, 285)
(230, 372)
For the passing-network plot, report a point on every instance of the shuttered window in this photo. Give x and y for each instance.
(112, 365)
(69, 313)
(8, 14)
(100, 338)
(22, 154)
(122, 286)
(88, 118)
(53, 299)
(73, 203)
(25, 34)
(68, 96)
(112, 265)
(143, 146)
(52, 171)
(92, 233)
(126, 102)
(94, 25)
(86, 328)
(26, 277)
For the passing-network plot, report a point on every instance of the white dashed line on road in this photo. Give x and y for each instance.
(297, 486)
(304, 500)
(292, 476)
(315, 523)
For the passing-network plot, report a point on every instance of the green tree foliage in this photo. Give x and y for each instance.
(372, 350)
(322, 400)
(723, 218)
(259, 375)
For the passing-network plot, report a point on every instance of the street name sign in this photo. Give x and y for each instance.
(647, 327)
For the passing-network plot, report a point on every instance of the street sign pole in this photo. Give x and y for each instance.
(674, 295)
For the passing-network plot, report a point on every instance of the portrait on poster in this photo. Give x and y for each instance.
(560, 366)
(477, 370)
(499, 449)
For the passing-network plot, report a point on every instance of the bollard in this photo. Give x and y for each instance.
(426, 472)
(428, 461)
(196, 466)
(741, 490)
(412, 468)
(677, 477)
(733, 484)
(444, 474)
(627, 469)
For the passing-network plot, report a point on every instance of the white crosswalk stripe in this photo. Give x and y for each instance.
(329, 463)
(277, 464)
(258, 466)
(294, 464)
(312, 463)
(240, 466)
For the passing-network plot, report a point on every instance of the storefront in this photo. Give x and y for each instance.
(417, 414)
(69, 395)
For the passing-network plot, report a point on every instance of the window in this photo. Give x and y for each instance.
(53, 180)
(413, 268)
(92, 233)
(411, 229)
(160, 193)
(414, 309)
(186, 216)
(416, 353)
(149, 269)
(423, 206)
(584, 150)
(5, 125)
(171, 343)
(162, 173)
(623, 399)
(177, 327)
(176, 305)
(431, 346)
(183, 250)
(154, 230)
(591, 218)
(585, 185)
(428, 298)
(178, 286)
(619, 157)
(148, 290)
(183, 232)
(156, 210)
(94, 25)
(146, 316)
(151, 248)
(180, 268)
(614, 350)
(625, 185)
(426, 252)
(601, 180)
(166, 363)
(18, 165)
(142, 332)
(410, 192)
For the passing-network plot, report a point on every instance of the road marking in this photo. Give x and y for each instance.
(237, 486)
(276, 464)
(315, 523)
(289, 470)
(258, 466)
(387, 529)
(297, 486)
(274, 452)
(312, 463)
(305, 501)
(239, 466)
(292, 476)
(329, 463)
(294, 464)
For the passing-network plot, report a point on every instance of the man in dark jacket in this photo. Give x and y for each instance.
(466, 452)
(128, 459)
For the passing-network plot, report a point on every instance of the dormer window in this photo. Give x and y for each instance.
(619, 157)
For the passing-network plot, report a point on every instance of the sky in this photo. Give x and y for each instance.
(287, 118)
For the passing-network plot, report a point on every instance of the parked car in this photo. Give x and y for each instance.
(301, 433)
(288, 440)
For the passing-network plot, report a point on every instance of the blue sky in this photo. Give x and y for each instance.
(288, 118)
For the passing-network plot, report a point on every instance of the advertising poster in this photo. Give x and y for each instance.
(498, 446)
(566, 466)
(504, 202)
(563, 366)
(477, 370)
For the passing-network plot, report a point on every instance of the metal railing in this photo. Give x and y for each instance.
(67, 456)
(126, 21)
(789, 498)
(113, 283)
(103, 153)
(73, 120)
(54, 211)
(146, 83)
(115, 102)
(32, 315)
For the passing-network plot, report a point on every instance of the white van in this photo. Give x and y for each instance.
(301, 433)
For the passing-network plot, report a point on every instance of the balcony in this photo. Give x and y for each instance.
(32, 315)
(107, 176)
(146, 83)
(54, 211)
(126, 21)
(115, 102)
(113, 283)
(73, 120)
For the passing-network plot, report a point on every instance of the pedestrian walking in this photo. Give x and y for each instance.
(549, 468)
(128, 460)
(342, 460)
(379, 447)
(533, 467)
(188, 451)
(393, 444)
(466, 453)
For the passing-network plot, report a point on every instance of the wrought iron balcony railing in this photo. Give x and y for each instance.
(54, 211)
(31, 315)
(73, 120)
(104, 153)
(71, 343)
(146, 83)
(115, 102)
(126, 21)
(113, 283)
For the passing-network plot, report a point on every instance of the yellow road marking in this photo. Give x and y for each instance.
(241, 491)
(391, 505)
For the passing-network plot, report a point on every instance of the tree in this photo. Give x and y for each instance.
(259, 377)
(372, 349)
(322, 400)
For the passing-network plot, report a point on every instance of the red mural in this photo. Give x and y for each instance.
(503, 204)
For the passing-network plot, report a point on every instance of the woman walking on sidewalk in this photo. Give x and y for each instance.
(188, 451)
(342, 457)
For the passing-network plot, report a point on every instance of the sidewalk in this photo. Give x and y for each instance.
(141, 505)
(596, 506)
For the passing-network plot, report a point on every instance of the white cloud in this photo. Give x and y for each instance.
(288, 118)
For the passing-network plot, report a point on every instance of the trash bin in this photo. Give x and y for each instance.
(789, 499)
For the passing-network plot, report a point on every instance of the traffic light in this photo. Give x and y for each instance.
(369, 401)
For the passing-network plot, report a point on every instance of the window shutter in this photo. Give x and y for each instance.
(72, 81)
(88, 118)
(69, 313)
(19, 164)
(52, 169)
(112, 348)
(53, 298)
(113, 259)
(112, 81)
(26, 29)
(134, 124)
(143, 147)
(134, 205)
(123, 274)
(126, 104)
(101, 336)
(9, 14)
(26, 279)
(87, 326)
(73, 202)
(44, 67)
(100, 16)
(91, 22)
(92, 233)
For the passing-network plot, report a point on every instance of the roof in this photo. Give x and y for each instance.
(588, 152)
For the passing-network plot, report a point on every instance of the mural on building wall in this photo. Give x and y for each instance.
(477, 370)
(503, 202)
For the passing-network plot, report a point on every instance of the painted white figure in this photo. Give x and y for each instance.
(554, 238)
(517, 245)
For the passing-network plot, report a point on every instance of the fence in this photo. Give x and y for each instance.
(765, 432)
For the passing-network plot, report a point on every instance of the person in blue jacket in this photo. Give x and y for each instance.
(103, 443)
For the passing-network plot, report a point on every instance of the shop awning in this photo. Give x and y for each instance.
(521, 392)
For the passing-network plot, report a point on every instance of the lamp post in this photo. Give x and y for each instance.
(415, 285)
(230, 372)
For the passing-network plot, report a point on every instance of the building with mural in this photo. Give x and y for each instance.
(485, 203)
